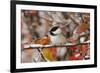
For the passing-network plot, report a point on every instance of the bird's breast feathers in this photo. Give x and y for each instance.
(57, 40)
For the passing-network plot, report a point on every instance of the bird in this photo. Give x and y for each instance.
(56, 36)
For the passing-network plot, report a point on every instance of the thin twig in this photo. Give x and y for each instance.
(73, 20)
(41, 53)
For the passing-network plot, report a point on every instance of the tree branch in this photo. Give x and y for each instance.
(35, 46)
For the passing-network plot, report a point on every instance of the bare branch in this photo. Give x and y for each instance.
(41, 53)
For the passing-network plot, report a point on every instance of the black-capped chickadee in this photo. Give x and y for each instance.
(56, 36)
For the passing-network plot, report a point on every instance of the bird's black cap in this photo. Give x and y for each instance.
(53, 29)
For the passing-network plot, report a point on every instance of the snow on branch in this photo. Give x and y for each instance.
(36, 46)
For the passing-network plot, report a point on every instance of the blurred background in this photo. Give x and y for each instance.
(36, 26)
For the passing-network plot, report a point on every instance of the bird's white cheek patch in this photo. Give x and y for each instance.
(58, 31)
